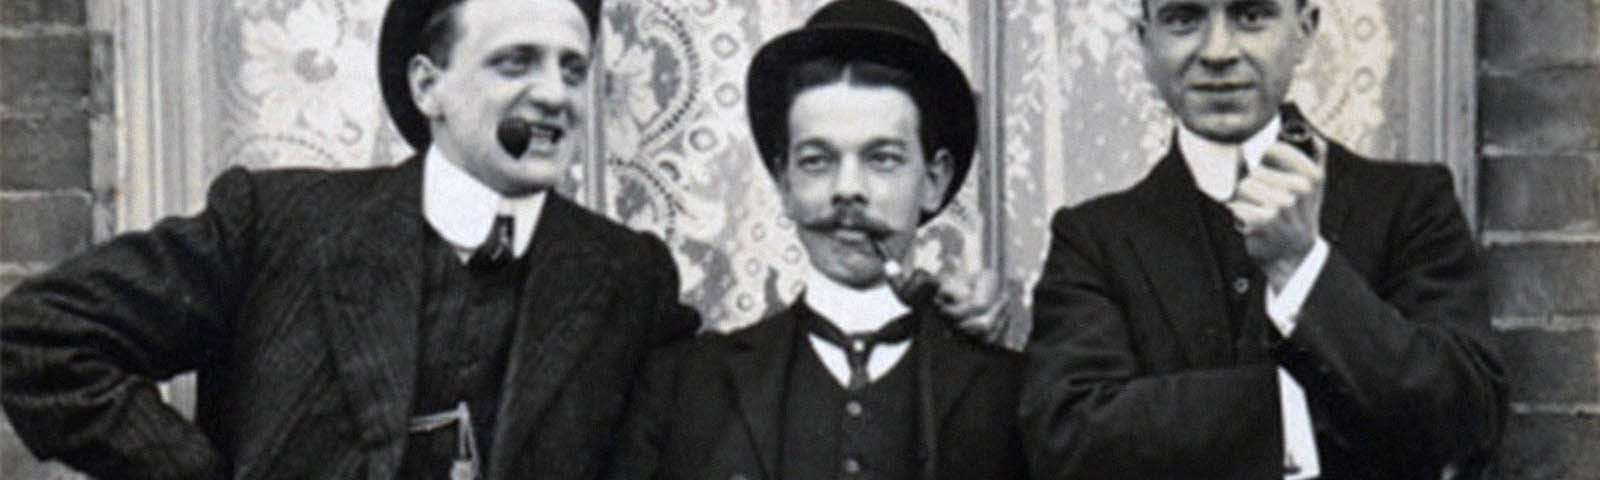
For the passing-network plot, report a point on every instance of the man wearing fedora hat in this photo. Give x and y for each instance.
(446, 316)
(1265, 303)
(868, 129)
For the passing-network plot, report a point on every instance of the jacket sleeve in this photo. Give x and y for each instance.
(83, 344)
(1090, 410)
(1404, 361)
(645, 426)
(674, 319)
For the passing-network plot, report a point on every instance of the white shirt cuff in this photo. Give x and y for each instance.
(1283, 307)
(1299, 438)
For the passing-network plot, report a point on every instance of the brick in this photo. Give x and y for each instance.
(15, 13)
(1548, 446)
(1551, 110)
(44, 228)
(1522, 34)
(49, 153)
(1538, 280)
(45, 73)
(1541, 193)
(1552, 367)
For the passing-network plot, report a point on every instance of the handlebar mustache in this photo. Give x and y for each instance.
(849, 218)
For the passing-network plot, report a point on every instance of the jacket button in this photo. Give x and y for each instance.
(1241, 285)
(851, 466)
(853, 408)
(739, 476)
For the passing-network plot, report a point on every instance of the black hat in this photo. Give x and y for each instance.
(881, 31)
(397, 44)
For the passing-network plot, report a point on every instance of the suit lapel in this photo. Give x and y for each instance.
(561, 307)
(1173, 254)
(1336, 193)
(370, 292)
(758, 371)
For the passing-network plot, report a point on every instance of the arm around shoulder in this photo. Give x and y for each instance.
(84, 343)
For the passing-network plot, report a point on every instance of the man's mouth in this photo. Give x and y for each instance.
(851, 235)
(1221, 86)
(522, 137)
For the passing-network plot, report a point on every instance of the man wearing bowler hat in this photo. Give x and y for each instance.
(450, 315)
(1265, 303)
(868, 129)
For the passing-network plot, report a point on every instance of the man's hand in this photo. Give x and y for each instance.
(979, 303)
(1277, 207)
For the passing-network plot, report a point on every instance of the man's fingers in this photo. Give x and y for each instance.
(1286, 157)
(1250, 215)
(1293, 183)
(1256, 192)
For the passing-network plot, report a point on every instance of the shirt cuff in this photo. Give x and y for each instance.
(1283, 307)
(1300, 461)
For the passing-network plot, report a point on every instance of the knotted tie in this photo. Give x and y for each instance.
(495, 250)
(858, 347)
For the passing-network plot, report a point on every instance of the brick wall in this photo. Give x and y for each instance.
(54, 105)
(1539, 139)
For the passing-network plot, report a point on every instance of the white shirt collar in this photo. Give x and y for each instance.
(1215, 164)
(462, 209)
(852, 310)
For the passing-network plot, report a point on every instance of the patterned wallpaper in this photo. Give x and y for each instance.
(293, 83)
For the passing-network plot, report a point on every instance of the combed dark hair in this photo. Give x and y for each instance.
(440, 33)
(1144, 7)
(821, 71)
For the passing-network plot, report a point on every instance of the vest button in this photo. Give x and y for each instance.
(851, 466)
(1241, 285)
(853, 408)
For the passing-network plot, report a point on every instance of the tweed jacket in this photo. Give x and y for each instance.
(1132, 368)
(295, 297)
(712, 407)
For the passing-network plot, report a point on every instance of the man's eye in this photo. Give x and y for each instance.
(515, 64)
(574, 71)
(1180, 20)
(1255, 16)
(885, 160)
(811, 162)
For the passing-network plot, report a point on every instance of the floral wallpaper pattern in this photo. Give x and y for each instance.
(293, 83)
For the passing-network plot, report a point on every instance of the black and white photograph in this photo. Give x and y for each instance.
(800, 239)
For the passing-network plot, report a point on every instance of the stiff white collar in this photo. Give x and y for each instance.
(1215, 165)
(852, 310)
(462, 209)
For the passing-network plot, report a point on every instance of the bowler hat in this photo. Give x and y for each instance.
(880, 31)
(398, 43)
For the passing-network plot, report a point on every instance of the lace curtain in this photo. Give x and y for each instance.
(1067, 115)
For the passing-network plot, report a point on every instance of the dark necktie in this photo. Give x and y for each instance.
(496, 250)
(858, 347)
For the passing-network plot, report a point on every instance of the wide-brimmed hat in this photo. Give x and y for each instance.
(880, 31)
(398, 43)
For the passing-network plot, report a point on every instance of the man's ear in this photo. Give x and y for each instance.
(1309, 17)
(422, 75)
(941, 166)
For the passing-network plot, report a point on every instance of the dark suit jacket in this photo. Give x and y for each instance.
(1132, 372)
(713, 407)
(295, 295)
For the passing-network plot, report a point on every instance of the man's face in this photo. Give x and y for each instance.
(856, 172)
(1224, 66)
(513, 59)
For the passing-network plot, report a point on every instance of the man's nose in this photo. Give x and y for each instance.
(849, 186)
(547, 91)
(1219, 49)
